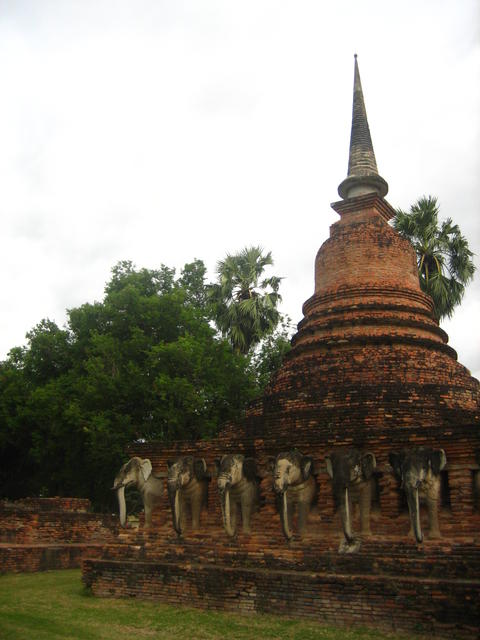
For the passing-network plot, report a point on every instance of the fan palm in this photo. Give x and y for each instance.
(444, 260)
(245, 305)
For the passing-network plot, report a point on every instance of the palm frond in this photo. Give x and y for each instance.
(444, 260)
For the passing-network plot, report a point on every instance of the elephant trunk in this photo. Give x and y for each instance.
(287, 532)
(414, 510)
(122, 506)
(227, 514)
(346, 517)
(174, 499)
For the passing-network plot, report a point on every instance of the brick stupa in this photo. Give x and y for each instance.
(369, 352)
(371, 368)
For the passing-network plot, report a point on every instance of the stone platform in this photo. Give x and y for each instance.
(37, 534)
(29, 558)
(392, 583)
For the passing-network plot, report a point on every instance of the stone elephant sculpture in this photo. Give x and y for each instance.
(138, 472)
(352, 471)
(187, 486)
(238, 486)
(295, 485)
(418, 471)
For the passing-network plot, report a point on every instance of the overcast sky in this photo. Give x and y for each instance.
(163, 131)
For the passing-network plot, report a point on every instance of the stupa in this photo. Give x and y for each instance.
(369, 368)
(369, 353)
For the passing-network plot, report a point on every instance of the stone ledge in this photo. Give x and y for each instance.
(24, 558)
(442, 607)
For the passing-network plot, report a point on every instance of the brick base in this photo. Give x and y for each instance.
(391, 583)
(21, 558)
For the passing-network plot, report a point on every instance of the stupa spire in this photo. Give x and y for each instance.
(362, 167)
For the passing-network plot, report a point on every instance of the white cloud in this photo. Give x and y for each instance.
(160, 132)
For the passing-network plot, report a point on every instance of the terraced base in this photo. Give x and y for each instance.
(391, 583)
(26, 558)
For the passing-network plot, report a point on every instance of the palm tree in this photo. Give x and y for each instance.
(244, 306)
(444, 260)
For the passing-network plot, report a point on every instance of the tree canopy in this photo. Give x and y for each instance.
(445, 264)
(145, 363)
(244, 305)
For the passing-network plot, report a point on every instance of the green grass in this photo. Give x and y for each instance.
(55, 605)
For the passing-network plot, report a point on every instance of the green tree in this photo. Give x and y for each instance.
(271, 352)
(142, 364)
(244, 305)
(192, 281)
(445, 264)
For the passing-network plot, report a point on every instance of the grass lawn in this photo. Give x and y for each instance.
(54, 605)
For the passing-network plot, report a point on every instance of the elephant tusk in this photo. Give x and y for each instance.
(347, 508)
(286, 524)
(177, 512)
(418, 525)
(122, 506)
(347, 524)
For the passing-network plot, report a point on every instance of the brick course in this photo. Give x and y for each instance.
(51, 533)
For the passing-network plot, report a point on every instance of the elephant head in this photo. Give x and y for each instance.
(183, 473)
(291, 469)
(134, 472)
(418, 470)
(236, 474)
(351, 469)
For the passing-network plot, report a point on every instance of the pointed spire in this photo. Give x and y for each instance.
(362, 167)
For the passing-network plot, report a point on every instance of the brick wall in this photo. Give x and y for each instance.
(51, 533)
(389, 585)
(55, 504)
(28, 521)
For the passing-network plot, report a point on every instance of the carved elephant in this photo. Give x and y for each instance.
(295, 486)
(418, 470)
(187, 485)
(238, 486)
(352, 471)
(138, 472)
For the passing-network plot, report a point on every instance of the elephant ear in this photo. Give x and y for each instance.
(250, 469)
(369, 464)
(200, 468)
(438, 460)
(306, 466)
(328, 462)
(396, 460)
(146, 468)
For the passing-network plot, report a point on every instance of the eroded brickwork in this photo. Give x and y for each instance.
(370, 368)
(51, 533)
(391, 583)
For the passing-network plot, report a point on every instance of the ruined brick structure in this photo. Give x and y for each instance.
(369, 368)
(51, 533)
